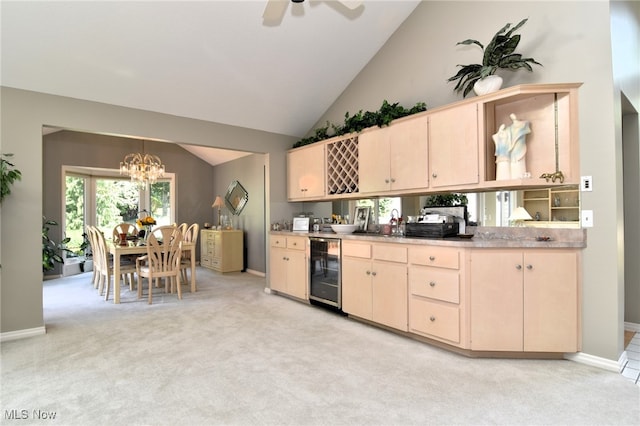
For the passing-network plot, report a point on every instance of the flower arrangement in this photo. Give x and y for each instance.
(146, 221)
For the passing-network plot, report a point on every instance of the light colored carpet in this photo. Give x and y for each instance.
(232, 354)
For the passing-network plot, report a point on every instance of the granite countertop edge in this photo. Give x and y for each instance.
(491, 237)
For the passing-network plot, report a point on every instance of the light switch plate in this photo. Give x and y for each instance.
(586, 183)
(587, 218)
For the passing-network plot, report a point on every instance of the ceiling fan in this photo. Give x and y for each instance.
(275, 9)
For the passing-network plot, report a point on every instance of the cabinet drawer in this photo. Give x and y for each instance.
(205, 261)
(434, 283)
(390, 253)
(296, 243)
(356, 250)
(279, 241)
(434, 319)
(435, 256)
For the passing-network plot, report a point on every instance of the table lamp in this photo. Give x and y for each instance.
(519, 215)
(218, 203)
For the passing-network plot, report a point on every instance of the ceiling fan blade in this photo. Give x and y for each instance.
(274, 12)
(351, 4)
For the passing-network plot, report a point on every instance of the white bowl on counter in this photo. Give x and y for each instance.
(344, 229)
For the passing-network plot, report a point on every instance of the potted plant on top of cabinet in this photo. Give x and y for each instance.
(499, 53)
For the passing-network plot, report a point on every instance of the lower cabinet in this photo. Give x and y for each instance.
(288, 265)
(222, 251)
(436, 287)
(374, 282)
(476, 299)
(525, 300)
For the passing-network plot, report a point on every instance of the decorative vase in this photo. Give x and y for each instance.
(489, 84)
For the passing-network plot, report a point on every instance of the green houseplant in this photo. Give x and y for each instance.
(450, 199)
(499, 53)
(9, 175)
(50, 249)
(361, 120)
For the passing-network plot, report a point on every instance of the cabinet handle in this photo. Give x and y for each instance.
(432, 258)
(386, 181)
(373, 273)
(432, 318)
(529, 267)
(432, 284)
(295, 244)
(393, 180)
(434, 175)
(368, 272)
(518, 267)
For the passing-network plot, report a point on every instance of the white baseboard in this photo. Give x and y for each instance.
(22, 334)
(630, 326)
(595, 361)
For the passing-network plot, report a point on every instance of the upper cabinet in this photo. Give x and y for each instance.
(453, 146)
(306, 172)
(394, 158)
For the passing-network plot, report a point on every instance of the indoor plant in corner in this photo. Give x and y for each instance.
(499, 53)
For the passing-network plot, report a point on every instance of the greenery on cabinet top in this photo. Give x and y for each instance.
(360, 121)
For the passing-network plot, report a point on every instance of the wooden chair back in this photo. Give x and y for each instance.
(162, 260)
(124, 228)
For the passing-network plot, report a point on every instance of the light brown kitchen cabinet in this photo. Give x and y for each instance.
(222, 250)
(459, 152)
(436, 293)
(374, 282)
(453, 146)
(306, 172)
(394, 158)
(288, 265)
(525, 300)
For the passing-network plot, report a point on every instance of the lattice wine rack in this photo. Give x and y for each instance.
(342, 166)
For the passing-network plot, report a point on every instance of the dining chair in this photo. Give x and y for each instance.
(190, 236)
(164, 232)
(105, 266)
(90, 231)
(162, 261)
(124, 228)
(183, 228)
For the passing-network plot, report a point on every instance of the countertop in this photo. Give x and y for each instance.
(483, 237)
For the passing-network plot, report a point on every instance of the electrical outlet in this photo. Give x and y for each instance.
(586, 183)
(587, 218)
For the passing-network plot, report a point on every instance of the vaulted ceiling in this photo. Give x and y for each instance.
(211, 60)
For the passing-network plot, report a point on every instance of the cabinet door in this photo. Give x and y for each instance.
(356, 287)
(373, 160)
(551, 301)
(278, 266)
(409, 167)
(306, 171)
(496, 300)
(453, 146)
(297, 274)
(389, 295)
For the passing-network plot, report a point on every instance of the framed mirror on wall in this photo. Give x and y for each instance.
(236, 197)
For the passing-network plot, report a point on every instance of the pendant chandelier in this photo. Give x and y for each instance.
(144, 169)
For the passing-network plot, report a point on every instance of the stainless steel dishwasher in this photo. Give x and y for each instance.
(324, 271)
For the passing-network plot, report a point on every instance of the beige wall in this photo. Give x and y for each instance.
(23, 114)
(573, 42)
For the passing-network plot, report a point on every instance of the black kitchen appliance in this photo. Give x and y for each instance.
(324, 271)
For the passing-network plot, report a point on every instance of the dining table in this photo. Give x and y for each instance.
(138, 248)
